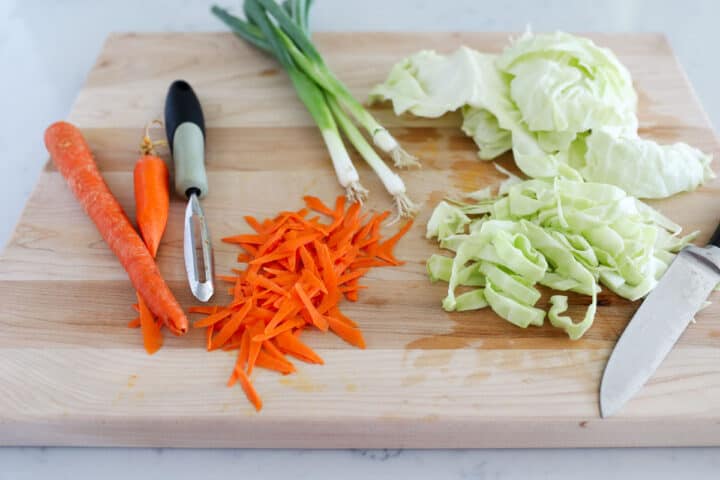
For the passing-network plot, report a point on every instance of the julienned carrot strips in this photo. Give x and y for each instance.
(297, 269)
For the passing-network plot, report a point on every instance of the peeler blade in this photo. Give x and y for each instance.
(198, 251)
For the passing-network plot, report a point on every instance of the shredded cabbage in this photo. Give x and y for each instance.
(563, 105)
(445, 221)
(563, 233)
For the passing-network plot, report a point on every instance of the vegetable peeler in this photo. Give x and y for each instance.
(185, 127)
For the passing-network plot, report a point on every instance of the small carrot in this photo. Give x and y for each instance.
(71, 154)
(152, 193)
(152, 202)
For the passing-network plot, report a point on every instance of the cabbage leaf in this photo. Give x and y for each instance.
(562, 104)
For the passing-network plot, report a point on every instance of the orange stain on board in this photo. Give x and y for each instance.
(301, 383)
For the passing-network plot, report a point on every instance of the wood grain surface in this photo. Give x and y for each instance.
(71, 373)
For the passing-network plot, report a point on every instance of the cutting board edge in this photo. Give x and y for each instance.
(408, 433)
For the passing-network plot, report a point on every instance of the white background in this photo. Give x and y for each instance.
(46, 49)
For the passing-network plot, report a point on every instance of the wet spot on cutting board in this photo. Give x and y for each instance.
(435, 197)
(378, 106)
(269, 72)
(132, 380)
(438, 342)
(464, 331)
(434, 358)
(469, 175)
(472, 174)
(378, 301)
(417, 134)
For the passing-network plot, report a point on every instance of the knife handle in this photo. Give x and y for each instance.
(185, 128)
(715, 239)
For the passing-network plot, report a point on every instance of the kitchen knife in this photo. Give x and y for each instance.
(659, 322)
(185, 127)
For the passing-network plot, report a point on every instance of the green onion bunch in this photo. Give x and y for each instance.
(283, 31)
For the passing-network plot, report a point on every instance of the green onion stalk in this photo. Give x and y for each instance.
(327, 100)
(265, 36)
(303, 51)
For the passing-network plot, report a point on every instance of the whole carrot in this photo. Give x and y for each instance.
(72, 157)
(152, 194)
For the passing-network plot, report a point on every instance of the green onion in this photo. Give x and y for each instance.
(283, 31)
(315, 101)
(311, 62)
(244, 30)
(309, 93)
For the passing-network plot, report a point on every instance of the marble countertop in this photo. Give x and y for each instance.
(48, 47)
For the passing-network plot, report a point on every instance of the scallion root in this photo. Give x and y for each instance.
(355, 192)
(387, 143)
(406, 208)
(403, 159)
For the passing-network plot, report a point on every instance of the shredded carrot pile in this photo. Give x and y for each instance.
(298, 270)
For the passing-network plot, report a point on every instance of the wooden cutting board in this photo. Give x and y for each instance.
(72, 373)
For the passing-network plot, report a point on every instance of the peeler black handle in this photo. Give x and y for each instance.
(182, 105)
(185, 128)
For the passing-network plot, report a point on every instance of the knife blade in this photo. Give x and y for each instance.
(185, 127)
(658, 324)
